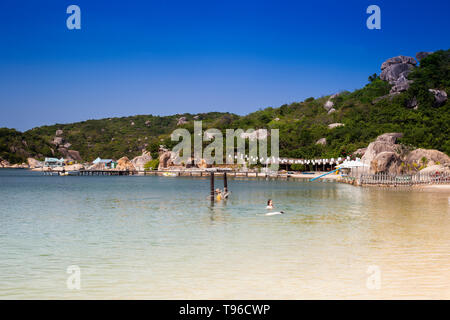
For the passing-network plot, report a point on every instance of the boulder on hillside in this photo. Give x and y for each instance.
(383, 143)
(57, 141)
(322, 141)
(440, 97)
(335, 125)
(70, 154)
(124, 164)
(430, 156)
(181, 121)
(140, 161)
(33, 163)
(395, 70)
(387, 162)
(59, 133)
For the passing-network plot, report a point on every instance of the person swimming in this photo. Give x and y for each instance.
(219, 195)
(269, 204)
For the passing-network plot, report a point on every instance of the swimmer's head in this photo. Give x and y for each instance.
(270, 202)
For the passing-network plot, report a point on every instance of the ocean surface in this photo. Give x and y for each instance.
(160, 238)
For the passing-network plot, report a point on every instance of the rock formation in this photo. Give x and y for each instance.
(437, 168)
(440, 97)
(385, 155)
(429, 156)
(181, 121)
(335, 125)
(165, 159)
(386, 161)
(395, 70)
(384, 143)
(33, 163)
(70, 154)
(330, 104)
(124, 164)
(322, 141)
(140, 161)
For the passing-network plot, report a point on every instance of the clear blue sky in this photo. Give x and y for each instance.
(165, 57)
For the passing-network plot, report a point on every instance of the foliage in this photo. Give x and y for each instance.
(152, 164)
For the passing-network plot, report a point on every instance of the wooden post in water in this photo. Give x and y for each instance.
(212, 186)
(225, 183)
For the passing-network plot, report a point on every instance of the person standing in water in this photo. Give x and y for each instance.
(269, 204)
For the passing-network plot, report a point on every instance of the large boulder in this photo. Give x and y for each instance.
(322, 141)
(427, 157)
(440, 97)
(58, 141)
(166, 159)
(140, 161)
(70, 154)
(181, 121)
(4, 164)
(386, 162)
(33, 163)
(124, 164)
(335, 125)
(59, 133)
(437, 168)
(395, 70)
(383, 143)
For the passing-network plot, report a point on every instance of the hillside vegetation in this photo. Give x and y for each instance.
(365, 113)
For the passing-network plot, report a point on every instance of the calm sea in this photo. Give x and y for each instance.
(159, 237)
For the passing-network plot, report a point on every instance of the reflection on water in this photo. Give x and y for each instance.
(156, 237)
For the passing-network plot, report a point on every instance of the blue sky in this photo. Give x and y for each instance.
(165, 57)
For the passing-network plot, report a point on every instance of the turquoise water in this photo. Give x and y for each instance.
(159, 237)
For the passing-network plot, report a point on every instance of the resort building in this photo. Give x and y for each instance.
(108, 163)
(53, 162)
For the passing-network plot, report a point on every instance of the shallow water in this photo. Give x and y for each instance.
(158, 237)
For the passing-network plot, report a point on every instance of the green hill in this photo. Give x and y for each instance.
(365, 113)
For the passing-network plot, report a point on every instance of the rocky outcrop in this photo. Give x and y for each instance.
(166, 159)
(335, 125)
(395, 70)
(181, 121)
(387, 162)
(57, 141)
(33, 163)
(140, 161)
(427, 157)
(330, 104)
(440, 97)
(4, 164)
(385, 155)
(124, 164)
(322, 141)
(70, 154)
(420, 55)
(59, 133)
(384, 143)
(437, 168)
